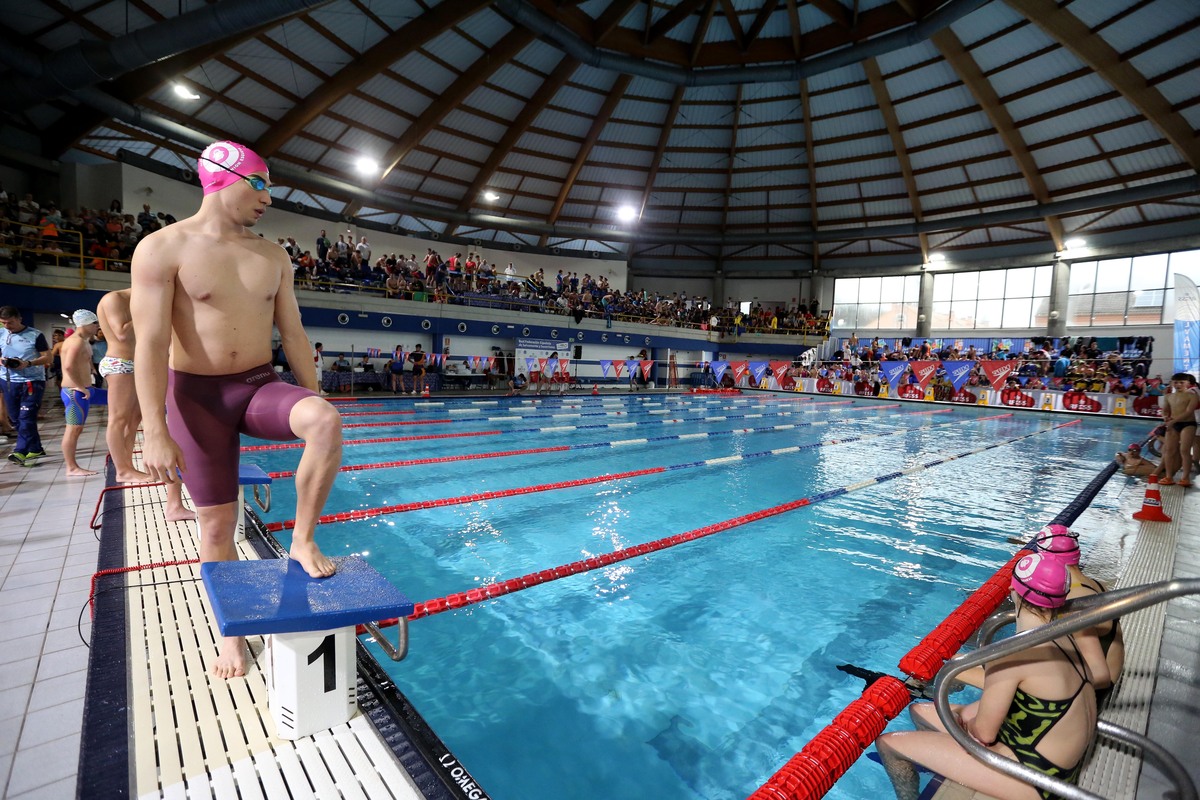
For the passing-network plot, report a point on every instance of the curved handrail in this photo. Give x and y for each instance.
(1080, 614)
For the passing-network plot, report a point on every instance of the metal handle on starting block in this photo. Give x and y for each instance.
(398, 652)
(265, 506)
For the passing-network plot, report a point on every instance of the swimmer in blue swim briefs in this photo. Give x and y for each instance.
(207, 291)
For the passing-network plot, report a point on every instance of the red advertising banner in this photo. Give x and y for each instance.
(739, 369)
(910, 391)
(997, 372)
(1146, 407)
(1016, 398)
(646, 366)
(964, 396)
(779, 369)
(1078, 401)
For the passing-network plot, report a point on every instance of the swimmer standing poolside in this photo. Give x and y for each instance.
(124, 415)
(208, 291)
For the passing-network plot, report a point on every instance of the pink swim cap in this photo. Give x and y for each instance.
(1057, 542)
(225, 163)
(1043, 582)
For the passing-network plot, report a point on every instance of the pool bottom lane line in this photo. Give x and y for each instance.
(481, 593)
(401, 508)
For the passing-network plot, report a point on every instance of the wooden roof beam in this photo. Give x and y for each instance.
(1069, 31)
(664, 136)
(377, 58)
(981, 89)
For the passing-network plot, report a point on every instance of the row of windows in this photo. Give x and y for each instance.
(1121, 291)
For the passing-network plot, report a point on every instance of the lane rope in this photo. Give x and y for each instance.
(489, 591)
(592, 445)
(401, 508)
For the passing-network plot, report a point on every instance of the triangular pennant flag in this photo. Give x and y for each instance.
(739, 369)
(605, 364)
(646, 366)
(958, 372)
(997, 372)
(779, 369)
(892, 370)
(758, 369)
(924, 370)
(491, 363)
(529, 364)
(618, 365)
(563, 366)
(718, 368)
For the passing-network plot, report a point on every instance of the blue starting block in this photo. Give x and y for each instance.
(251, 475)
(309, 624)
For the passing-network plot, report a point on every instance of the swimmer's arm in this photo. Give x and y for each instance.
(150, 305)
(999, 687)
(291, 329)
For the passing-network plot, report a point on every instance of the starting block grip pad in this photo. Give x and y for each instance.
(309, 624)
(251, 598)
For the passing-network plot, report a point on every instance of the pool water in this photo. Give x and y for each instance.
(695, 671)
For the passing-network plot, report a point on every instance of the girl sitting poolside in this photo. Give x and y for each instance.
(1038, 706)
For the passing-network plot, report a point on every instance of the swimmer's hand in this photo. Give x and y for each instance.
(162, 459)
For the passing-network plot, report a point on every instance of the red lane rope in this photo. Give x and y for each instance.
(438, 460)
(376, 413)
(136, 568)
(379, 440)
(367, 513)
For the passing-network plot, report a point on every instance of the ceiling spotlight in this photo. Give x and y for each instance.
(491, 196)
(1075, 244)
(366, 166)
(626, 213)
(936, 257)
(184, 92)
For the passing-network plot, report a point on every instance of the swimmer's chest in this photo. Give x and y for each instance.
(230, 276)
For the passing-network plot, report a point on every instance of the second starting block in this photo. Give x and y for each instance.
(309, 624)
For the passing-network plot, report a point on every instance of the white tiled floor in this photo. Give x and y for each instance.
(47, 557)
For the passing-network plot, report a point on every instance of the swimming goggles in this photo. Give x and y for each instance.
(256, 182)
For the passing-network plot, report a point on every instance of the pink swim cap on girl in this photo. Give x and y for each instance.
(1043, 582)
(1057, 541)
(220, 161)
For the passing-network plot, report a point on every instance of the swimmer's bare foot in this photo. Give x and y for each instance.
(231, 661)
(179, 513)
(78, 472)
(134, 476)
(315, 563)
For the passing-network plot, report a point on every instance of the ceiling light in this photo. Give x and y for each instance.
(1075, 244)
(936, 257)
(366, 166)
(184, 92)
(626, 213)
(491, 196)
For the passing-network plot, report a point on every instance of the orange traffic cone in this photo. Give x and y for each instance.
(595, 389)
(1152, 505)
(426, 392)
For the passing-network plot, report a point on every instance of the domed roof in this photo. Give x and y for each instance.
(742, 135)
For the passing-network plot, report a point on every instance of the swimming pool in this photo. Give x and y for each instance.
(695, 671)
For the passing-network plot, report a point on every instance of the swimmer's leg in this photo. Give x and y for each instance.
(176, 511)
(217, 527)
(121, 431)
(320, 426)
(70, 440)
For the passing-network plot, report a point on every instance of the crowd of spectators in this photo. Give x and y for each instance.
(345, 265)
(1056, 364)
(33, 232)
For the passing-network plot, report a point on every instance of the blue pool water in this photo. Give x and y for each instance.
(695, 671)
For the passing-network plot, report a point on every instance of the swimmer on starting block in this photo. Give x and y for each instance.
(207, 291)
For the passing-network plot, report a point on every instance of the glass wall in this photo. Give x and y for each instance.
(999, 298)
(867, 304)
(1128, 291)
(1138, 290)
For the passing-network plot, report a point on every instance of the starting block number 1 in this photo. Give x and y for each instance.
(311, 682)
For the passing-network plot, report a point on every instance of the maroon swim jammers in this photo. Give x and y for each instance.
(205, 414)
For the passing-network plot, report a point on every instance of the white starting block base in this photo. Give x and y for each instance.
(311, 682)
